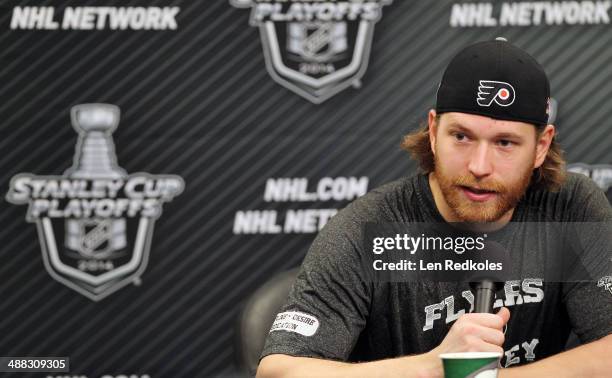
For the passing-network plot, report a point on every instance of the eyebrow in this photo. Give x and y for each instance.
(504, 134)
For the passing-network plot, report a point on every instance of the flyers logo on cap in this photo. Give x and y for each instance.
(500, 92)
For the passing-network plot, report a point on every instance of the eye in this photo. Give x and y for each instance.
(459, 136)
(505, 143)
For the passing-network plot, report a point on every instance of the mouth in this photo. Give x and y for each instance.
(477, 194)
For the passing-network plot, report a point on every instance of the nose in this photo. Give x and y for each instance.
(480, 164)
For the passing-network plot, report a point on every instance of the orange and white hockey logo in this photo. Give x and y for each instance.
(490, 91)
(606, 283)
(315, 48)
(95, 222)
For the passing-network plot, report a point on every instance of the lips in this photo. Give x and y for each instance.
(477, 194)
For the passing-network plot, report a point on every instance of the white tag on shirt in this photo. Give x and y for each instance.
(297, 322)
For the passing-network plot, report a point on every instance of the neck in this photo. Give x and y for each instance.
(450, 216)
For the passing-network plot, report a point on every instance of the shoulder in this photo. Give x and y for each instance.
(578, 185)
(578, 199)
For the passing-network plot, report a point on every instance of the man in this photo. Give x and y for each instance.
(489, 156)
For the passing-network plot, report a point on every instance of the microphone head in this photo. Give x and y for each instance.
(497, 260)
(486, 284)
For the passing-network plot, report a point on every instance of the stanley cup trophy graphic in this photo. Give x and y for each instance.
(316, 52)
(95, 159)
(95, 222)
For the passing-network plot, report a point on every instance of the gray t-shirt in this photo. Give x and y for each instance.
(332, 312)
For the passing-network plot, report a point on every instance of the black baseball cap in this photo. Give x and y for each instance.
(498, 80)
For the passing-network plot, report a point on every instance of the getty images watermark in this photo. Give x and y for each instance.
(442, 252)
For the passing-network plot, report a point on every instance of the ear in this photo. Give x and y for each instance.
(543, 144)
(433, 127)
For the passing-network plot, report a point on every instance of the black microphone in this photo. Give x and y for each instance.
(485, 284)
(484, 294)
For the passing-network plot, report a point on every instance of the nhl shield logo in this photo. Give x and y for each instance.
(95, 222)
(315, 49)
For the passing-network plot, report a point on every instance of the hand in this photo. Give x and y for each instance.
(475, 333)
